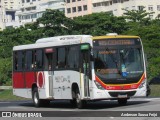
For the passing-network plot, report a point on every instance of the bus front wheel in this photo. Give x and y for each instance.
(80, 103)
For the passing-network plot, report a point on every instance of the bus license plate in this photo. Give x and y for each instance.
(122, 96)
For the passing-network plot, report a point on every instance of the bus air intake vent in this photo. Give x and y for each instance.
(129, 93)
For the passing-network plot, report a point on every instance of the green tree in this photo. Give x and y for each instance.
(137, 15)
(54, 22)
(5, 71)
(99, 24)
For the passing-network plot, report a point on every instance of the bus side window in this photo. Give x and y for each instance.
(48, 61)
(38, 64)
(29, 60)
(73, 57)
(15, 61)
(18, 61)
(61, 58)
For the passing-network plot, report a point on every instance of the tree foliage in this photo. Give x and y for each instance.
(99, 24)
(137, 15)
(54, 23)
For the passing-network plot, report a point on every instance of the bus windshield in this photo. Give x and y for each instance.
(118, 63)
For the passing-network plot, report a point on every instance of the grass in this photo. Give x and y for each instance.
(155, 91)
(7, 95)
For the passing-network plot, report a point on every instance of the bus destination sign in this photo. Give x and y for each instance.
(116, 42)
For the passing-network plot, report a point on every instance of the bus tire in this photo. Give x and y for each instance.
(80, 103)
(122, 101)
(35, 97)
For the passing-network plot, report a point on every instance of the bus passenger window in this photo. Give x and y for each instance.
(15, 61)
(48, 61)
(29, 60)
(39, 59)
(73, 57)
(61, 58)
(18, 61)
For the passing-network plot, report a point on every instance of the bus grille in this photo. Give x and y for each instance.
(129, 93)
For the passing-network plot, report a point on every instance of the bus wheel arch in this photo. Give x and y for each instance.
(34, 85)
(74, 89)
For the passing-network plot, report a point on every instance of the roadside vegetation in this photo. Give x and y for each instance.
(155, 91)
(55, 23)
(7, 95)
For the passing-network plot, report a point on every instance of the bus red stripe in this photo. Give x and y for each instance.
(120, 86)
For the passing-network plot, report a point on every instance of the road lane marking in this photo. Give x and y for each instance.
(15, 107)
(153, 99)
(111, 117)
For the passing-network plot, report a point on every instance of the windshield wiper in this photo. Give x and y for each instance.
(114, 60)
(123, 56)
(126, 54)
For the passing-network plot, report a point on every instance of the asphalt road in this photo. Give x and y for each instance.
(62, 110)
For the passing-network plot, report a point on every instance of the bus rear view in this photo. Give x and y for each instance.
(119, 67)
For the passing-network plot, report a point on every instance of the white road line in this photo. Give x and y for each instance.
(68, 110)
(15, 107)
(153, 99)
(144, 99)
(111, 117)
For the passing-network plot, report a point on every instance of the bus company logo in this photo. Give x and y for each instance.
(110, 87)
(133, 86)
(6, 114)
(40, 80)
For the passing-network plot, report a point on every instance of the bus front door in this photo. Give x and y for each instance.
(86, 70)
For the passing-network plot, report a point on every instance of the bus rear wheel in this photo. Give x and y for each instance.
(35, 97)
(122, 101)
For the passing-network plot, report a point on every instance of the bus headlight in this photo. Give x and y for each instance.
(99, 86)
(142, 84)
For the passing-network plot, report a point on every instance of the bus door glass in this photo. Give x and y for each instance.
(85, 57)
(49, 53)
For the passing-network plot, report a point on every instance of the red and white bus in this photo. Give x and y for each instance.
(80, 68)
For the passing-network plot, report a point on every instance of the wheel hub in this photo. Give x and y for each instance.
(35, 98)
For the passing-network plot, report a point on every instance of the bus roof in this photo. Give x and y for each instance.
(61, 38)
(66, 40)
(56, 41)
(113, 36)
